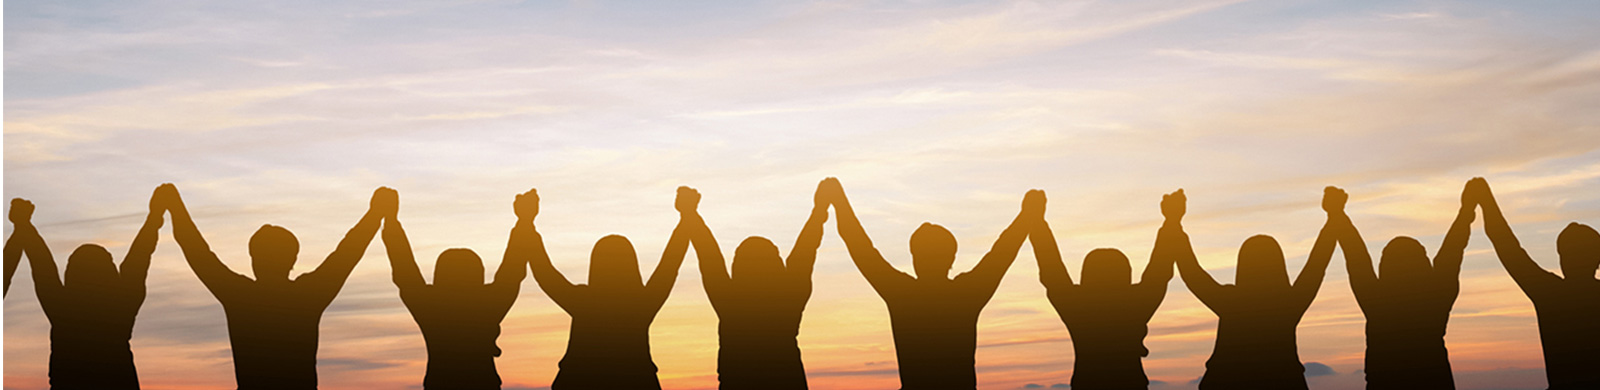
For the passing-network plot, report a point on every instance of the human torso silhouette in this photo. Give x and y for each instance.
(1255, 347)
(89, 335)
(1108, 327)
(610, 343)
(460, 330)
(935, 325)
(1569, 330)
(273, 331)
(1405, 337)
(758, 332)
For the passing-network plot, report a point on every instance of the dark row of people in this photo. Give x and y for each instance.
(273, 320)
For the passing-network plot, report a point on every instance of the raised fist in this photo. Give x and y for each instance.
(688, 200)
(21, 211)
(1333, 199)
(386, 202)
(527, 205)
(1033, 203)
(1174, 205)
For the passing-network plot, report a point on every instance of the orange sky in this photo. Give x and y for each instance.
(938, 112)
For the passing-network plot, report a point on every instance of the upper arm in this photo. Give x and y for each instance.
(215, 275)
(666, 273)
(402, 261)
(514, 265)
(1194, 276)
(713, 267)
(1357, 261)
(1310, 280)
(545, 273)
(136, 265)
(13, 257)
(1052, 272)
(1528, 274)
(1158, 272)
(803, 256)
(1447, 263)
(330, 276)
(46, 277)
(883, 277)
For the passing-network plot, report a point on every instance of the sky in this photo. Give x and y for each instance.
(291, 113)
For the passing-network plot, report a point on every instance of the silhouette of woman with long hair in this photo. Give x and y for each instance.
(1408, 305)
(934, 317)
(609, 347)
(458, 314)
(1108, 315)
(272, 320)
(759, 307)
(91, 315)
(1257, 316)
(1568, 305)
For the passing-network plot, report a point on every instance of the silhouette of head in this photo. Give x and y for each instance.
(757, 261)
(90, 267)
(1107, 267)
(458, 267)
(933, 251)
(1404, 261)
(1579, 248)
(273, 250)
(613, 264)
(1261, 264)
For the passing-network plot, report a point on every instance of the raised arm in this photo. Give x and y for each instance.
(519, 248)
(46, 279)
(713, 267)
(13, 250)
(402, 260)
(1522, 268)
(136, 265)
(545, 273)
(330, 276)
(666, 273)
(1158, 272)
(883, 277)
(1194, 276)
(1447, 263)
(215, 275)
(1310, 279)
(803, 257)
(986, 276)
(1052, 272)
(1357, 260)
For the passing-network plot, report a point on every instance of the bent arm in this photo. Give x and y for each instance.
(1052, 272)
(330, 276)
(882, 276)
(992, 268)
(713, 267)
(136, 265)
(1522, 268)
(402, 261)
(803, 257)
(215, 275)
(666, 273)
(1310, 279)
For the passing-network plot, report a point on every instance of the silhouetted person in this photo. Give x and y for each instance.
(91, 315)
(609, 347)
(459, 315)
(272, 320)
(759, 307)
(1257, 316)
(1568, 306)
(1408, 305)
(934, 317)
(1108, 316)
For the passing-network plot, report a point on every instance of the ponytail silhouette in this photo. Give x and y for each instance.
(934, 317)
(1568, 306)
(91, 314)
(272, 320)
(760, 305)
(609, 347)
(1107, 315)
(460, 315)
(1257, 316)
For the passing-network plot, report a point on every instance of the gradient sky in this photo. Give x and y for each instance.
(290, 113)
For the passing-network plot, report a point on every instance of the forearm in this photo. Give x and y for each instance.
(514, 265)
(1316, 268)
(1052, 272)
(13, 258)
(402, 261)
(1454, 247)
(713, 267)
(137, 263)
(803, 257)
(666, 273)
(1164, 254)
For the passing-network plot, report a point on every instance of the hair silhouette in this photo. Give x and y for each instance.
(1257, 316)
(272, 320)
(609, 347)
(1407, 305)
(91, 314)
(1107, 315)
(1568, 306)
(934, 317)
(760, 305)
(458, 314)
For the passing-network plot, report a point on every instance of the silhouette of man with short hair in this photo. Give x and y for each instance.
(91, 315)
(1568, 305)
(1257, 316)
(272, 320)
(1408, 305)
(609, 347)
(759, 307)
(934, 317)
(458, 314)
(1108, 315)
